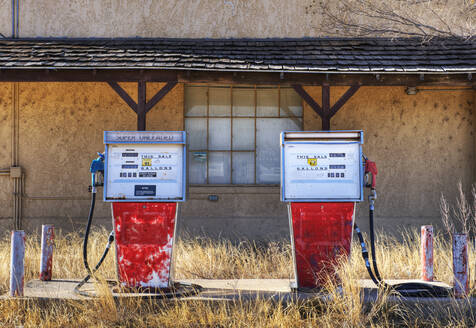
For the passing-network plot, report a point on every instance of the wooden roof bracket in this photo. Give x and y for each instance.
(326, 112)
(142, 107)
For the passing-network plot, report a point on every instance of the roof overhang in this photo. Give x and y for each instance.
(308, 61)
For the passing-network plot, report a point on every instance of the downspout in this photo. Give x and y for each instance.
(18, 19)
(16, 173)
(15, 18)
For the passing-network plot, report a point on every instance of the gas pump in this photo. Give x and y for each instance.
(321, 180)
(144, 179)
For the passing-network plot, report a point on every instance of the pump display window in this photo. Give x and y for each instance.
(233, 132)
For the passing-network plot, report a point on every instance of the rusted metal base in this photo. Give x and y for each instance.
(144, 240)
(322, 235)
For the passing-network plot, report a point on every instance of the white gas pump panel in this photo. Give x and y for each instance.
(323, 166)
(144, 166)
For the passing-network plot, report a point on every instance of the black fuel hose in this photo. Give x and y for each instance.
(85, 250)
(365, 255)
(372, 244)
(411, 289)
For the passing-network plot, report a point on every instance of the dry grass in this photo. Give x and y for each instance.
(202, 258)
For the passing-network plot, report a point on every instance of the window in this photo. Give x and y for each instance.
(233, 132)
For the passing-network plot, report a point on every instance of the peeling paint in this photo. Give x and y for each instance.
(47, 244)
(460, 265)
(427, 253)
(144, 243)
(322, 235)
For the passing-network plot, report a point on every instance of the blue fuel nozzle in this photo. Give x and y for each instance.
(97, 165)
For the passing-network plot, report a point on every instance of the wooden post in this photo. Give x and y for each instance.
(427, 253)
(47, 243)
(460, 265)
(17, 263)
(141, 106)
(326, 106)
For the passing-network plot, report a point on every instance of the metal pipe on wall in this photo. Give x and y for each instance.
(17, 183)
(18, 19)
(26, 196)
(15, 18)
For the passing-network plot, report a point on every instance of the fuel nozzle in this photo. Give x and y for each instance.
(370, 169)
(371, 173)
(97, 172)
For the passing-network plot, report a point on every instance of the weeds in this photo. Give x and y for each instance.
(204, 258)
(460, 218)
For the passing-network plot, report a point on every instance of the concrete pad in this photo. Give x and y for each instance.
(278, 290)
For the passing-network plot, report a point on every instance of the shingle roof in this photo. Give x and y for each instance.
(290, 55)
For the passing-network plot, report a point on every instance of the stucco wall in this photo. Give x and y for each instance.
(6, 17)
(422, 144)
(6, 90)
(61, 129)
(161, 18)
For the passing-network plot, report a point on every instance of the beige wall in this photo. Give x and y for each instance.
(61, 129)
(6, 17)
(423, 145)
(6, 90)
(160, 18)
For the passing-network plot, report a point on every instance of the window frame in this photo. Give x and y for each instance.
(231, 117)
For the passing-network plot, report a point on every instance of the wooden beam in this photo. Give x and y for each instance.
(326, 111)
(124, 95)
(141, 106)
(317, 79)
(342, 100)
(190, 76)
(326, 99)
(308, 99)
(159, 95)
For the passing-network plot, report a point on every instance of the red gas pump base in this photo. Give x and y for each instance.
(321, 237)
(144, 235)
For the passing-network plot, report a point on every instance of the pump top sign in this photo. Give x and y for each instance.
(321, 166)
(144, 166)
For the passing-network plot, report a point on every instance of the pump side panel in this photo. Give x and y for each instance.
(144, 240)
(322, 234)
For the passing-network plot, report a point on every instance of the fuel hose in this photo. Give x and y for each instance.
(90, 272)
(410, 289)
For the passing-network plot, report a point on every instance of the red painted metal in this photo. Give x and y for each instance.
(427, 253)
(17, 263)
(371, 167)
(144, 234)
(322, 234)
(47, 243)
(460, 265)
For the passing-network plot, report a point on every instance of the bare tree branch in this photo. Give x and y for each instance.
(397, 18)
